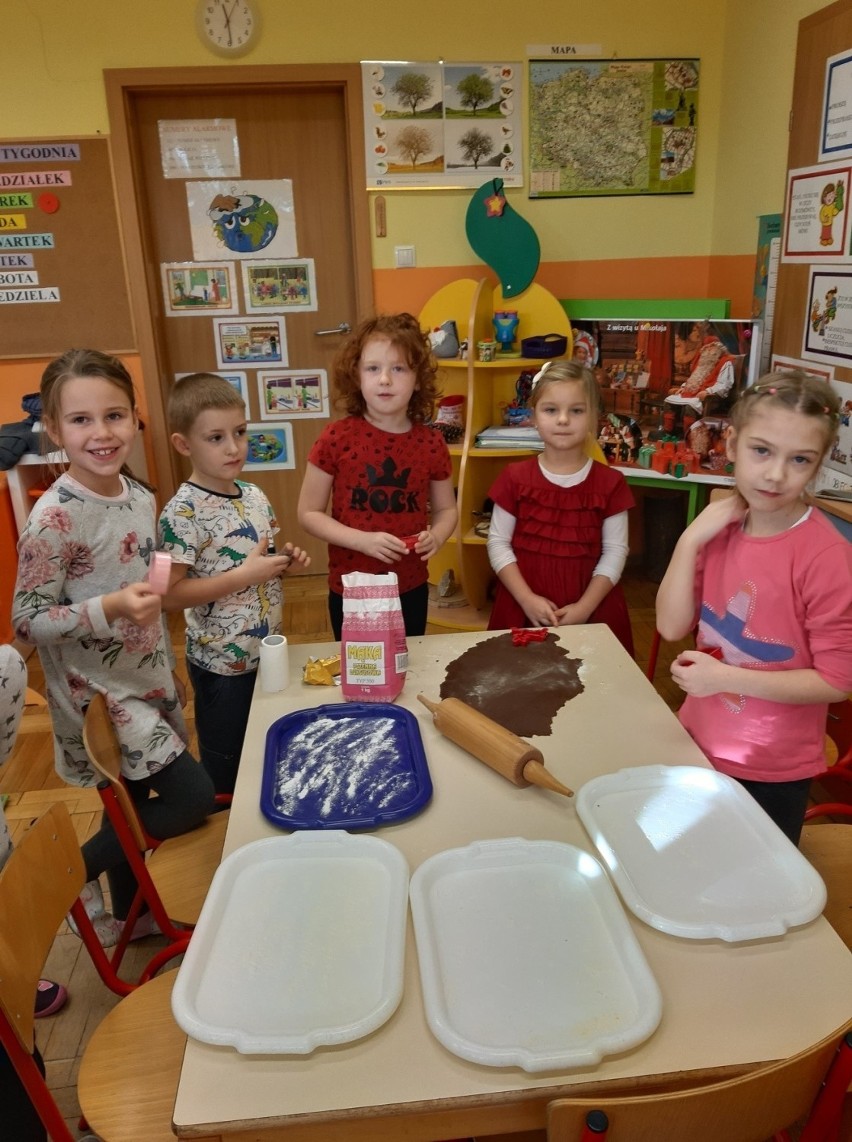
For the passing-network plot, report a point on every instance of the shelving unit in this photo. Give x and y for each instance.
(487, 387)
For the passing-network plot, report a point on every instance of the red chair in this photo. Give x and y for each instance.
(174, 879)
(750, 1108)
(46, 866)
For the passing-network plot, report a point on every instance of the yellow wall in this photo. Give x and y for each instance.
(690, 245)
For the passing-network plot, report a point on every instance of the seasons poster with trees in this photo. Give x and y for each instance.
(442, 125)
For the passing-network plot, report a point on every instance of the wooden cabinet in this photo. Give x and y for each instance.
(487, 388)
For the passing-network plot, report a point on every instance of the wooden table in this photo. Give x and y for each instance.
(725, 1007)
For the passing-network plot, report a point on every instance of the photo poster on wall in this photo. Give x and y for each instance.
(442, 125)
(613, 127)
(242, 219)
(816, 219)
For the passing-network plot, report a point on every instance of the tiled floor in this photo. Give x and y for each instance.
(32, 786)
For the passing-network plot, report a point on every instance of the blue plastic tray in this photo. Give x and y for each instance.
(351, 765)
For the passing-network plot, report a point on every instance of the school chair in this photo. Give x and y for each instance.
(130, 1068)
(47, 865)
(828, 847)
(174, 879)
(754, 1107)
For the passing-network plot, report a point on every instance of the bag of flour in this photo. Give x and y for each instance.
(373, 650)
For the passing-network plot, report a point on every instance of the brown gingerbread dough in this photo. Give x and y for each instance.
(520, 687)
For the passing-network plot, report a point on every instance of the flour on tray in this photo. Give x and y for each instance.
(343, 767)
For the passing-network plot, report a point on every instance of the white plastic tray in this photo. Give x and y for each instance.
(527, 958)
(693, 854)
(299, 943)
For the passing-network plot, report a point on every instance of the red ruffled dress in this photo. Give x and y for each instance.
(557, 540)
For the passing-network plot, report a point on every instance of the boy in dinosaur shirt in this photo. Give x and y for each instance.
(225, 573)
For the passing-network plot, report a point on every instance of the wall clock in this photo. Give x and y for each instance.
(229, 27)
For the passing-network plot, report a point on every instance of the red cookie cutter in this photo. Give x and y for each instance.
(523, 636)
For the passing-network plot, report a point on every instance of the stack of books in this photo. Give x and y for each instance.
(509, 436)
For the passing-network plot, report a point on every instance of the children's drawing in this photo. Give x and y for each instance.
(239, 219)
(278, 286)
(293, 393)
(270, 448)
(250, 342)
(192, 289)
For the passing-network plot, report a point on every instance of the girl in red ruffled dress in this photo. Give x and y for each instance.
(558, 535)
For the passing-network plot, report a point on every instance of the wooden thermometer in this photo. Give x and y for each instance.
(511, 756)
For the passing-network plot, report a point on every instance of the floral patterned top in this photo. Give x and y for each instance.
(13, 687)
(212, 532)
(76, 548)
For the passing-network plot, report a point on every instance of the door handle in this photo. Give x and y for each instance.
(343, 327)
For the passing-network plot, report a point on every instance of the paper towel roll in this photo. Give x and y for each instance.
(274, 663)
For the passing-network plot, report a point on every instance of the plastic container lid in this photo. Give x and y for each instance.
(527, 958)
(300, 943)
(693, 854)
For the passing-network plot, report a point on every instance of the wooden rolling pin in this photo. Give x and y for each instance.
(492, 743)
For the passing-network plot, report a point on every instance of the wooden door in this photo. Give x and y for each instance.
(301, 124)
(821, 35)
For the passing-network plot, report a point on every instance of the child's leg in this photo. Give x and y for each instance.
(20, 1121)
(185, 796)
(784, 801)
(222, 705)
(335, 613)
(415, 609)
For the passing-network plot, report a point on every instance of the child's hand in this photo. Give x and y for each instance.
(426, 545)
(258, 567)
(715, 517)
(569, 616)
(540, 611)
(296, 555)
(136, 602)
(382, 545)
(700, 674)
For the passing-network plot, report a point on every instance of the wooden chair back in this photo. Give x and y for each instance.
(750, 1108)
(46, 868)
(104, 752)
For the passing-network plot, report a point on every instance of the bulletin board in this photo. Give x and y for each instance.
(85, 263)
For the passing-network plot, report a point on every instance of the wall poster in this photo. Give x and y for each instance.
(836, 126)
(442, 125)
(828, 321)
(816, 220)
(613, 127)
(298, 393)
(238, 219)
(249, 342)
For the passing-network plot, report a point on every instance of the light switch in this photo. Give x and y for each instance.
(404, 257)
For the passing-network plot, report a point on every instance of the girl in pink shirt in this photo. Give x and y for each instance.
(769, 583)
